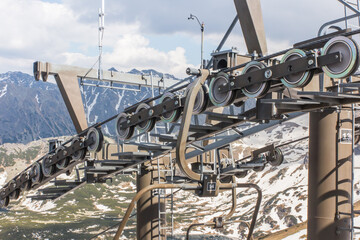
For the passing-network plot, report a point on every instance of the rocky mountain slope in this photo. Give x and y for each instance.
(33, 110)
(91, 209)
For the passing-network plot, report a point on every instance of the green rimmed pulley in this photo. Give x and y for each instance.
(97, 139)
(63, 163)
(36, 173)
(79, 154)
(123, 133)
(256, 90)
(349, 57)
(201, 100)
(47, 169)
(148, 125)
(296, 80)
(217, 97)
(170, 116)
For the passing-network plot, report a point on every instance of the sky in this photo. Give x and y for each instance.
(143, 34)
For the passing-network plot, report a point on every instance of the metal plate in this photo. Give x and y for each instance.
(345, 136)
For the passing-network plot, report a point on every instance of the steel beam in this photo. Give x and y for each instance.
(67, 80)
(252, 25)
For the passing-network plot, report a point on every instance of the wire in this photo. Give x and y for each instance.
(109, 228)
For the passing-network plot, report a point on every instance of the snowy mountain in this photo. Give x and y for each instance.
(92, 208)
(32, 110)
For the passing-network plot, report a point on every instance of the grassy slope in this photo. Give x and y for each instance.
(294, 229)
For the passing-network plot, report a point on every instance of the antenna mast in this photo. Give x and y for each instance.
(101, 34)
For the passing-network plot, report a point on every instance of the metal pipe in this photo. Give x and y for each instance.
(336, 21)
(185, 126)
(191, 187)
(111, 87)
(233, 186)
(141, 193)
(209, 224)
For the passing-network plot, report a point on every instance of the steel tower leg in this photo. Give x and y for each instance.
(329, 195)
(148, 207)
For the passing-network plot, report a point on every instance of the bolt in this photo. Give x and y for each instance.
(176, 102)
(336, 56)
(128, 121)
(151, 112)
(268, 73)
(232, 83)
(311, 62)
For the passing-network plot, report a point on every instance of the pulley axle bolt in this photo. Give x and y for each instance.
(311, 62)
(268, 73)
(232, 83)
(176, 102)
(151, 112)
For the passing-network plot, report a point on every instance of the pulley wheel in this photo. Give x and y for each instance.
(97, 139)
(256, 90)
(201, 100)
(15, 194)
(79, 154)
(26, 186)
(65, 161)
(259, 169)
(296, 80)
(4, 202)
(172, 116)
(47, 170)
(349, 54)
(276, 158)
(145, 126)
(36, 173)
(123, 133)
(241, 174)
(218, 98)
(226, 179)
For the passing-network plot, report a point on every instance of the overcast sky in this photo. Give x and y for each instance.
(143, 34)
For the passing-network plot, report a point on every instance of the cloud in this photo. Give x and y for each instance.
(66, 32)
(57, 33)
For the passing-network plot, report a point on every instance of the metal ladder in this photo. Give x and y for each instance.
(163, 196)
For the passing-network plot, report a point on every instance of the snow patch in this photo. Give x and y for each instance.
(102, 207)
(3, 176)
(3, 91)
(38, 206)
(37, 98)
